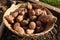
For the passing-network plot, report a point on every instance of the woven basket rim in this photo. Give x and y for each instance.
(49, 27)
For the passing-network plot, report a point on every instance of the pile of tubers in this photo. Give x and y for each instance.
(30, 19)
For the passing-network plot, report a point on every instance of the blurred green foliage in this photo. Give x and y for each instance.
(52, 2)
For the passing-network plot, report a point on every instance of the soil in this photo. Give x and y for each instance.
(52, 35)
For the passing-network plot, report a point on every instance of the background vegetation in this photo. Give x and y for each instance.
(52, 2)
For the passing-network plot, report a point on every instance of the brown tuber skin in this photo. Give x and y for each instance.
(39, 29)
(30, 31)
(33, 17)
(38, 12)
(25, 27)
(18, 28)
(19, 18)
(52, 18)
(31, 12)
(44, 19)
(14, 14)
(17, 24)
(36, 6)
(10, 19)
(29, 6)
(24, 22)
(47, 18)
(28, 19)
(44, 11)
(32, 25)
(38, 23)
(22, 11)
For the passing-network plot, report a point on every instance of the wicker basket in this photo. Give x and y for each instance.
(48, 28)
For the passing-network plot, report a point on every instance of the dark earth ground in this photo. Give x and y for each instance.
(52, 35)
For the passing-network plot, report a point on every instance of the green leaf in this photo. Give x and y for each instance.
(52, 2)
